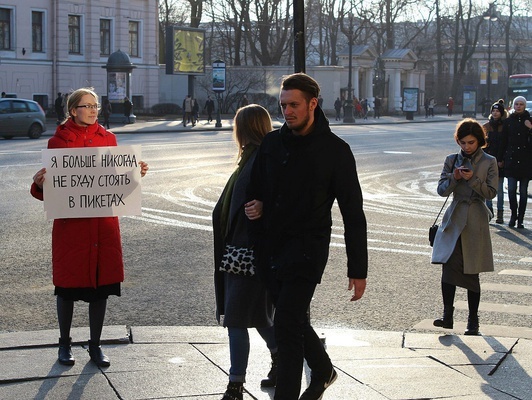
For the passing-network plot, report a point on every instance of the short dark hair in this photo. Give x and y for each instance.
(470, 126)
(302, 82)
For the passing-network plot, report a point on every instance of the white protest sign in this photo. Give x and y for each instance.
(92, 182)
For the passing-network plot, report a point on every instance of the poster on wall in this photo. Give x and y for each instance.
(116, 91)
(483, 71)
(218, 76)
(185, 51)
(410, 99)
(469, 101)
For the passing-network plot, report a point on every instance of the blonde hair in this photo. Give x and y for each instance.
(251, 124)
(75, 97)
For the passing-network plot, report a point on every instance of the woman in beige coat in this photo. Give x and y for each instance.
(463, 243)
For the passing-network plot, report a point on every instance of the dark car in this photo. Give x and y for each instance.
(20, 117)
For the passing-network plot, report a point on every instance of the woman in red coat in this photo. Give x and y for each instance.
(86, 252)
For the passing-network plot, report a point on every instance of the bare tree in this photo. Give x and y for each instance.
(238, 82)
(268, 35)
(196, 11)
(170, 13)
(466, 33)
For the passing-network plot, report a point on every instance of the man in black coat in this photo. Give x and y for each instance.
(299, 172)
(209, 106)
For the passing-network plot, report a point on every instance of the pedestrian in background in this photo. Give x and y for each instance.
(432, 104)
(463, 242)
(516, 155)
(209, 107)
(240, 295)
(338, 108)
(365, 108)
(299, 171)
(450, 105)
(195, 112)
(188, 103)
(59, 108)
(493, 130)
(86, 252)
(320, 101)
(128, 106)
(107, 110)
(377, 104)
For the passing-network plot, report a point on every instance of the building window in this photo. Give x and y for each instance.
(74, 34)
(37, 31)
(105, 37)
(134, 38)
(5, 29)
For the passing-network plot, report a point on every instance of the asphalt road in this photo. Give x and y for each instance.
(168, 249)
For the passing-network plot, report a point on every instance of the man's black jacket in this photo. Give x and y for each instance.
(298, 178)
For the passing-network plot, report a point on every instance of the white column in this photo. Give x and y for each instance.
(397, 90)
(411, 79)
(370, 75)
(356, 90)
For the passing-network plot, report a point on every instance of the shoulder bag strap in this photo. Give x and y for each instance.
(445, 202)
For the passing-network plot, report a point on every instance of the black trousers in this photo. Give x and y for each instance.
(296, 339)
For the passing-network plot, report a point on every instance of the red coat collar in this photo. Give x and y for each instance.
(70, 130)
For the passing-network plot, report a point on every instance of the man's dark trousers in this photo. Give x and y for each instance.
(296, 339)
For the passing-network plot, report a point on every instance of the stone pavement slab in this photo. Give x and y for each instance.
(79, 387)
(192, 363)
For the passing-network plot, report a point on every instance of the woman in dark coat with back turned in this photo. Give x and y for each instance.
(242, 299)
(516, 153)
(463, 242)
(493, 129)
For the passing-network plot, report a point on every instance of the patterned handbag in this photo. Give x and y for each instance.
(238, 260)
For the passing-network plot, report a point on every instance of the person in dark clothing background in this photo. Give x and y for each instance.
(209, 107)
(516, 155)
(299, 171)
(128, 106)
(59, 108)
(493, 129)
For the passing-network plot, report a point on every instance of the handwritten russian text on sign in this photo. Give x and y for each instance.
(92, 182)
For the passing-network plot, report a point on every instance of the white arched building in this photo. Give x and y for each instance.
(395, 70)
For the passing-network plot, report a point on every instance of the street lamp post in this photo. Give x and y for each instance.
(348, 109)
(491, 16)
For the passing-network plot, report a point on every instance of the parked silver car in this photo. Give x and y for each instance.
(20, 117)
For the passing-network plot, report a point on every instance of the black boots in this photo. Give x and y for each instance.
(271, 380)
(500, 217)
(513, 218)
(64, 354)
(97, 356)
(235, 391)
(447, 320)
(472, 326)
(520, 219)
(65, 357)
